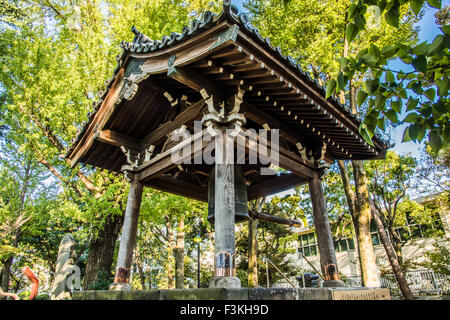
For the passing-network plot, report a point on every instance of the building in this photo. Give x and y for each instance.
(347, 252)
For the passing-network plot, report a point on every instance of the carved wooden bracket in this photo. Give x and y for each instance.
(304, 153)
(133, 157)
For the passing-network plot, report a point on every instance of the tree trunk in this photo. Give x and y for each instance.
(179, 256)
(101, 250)
(5, 274)
(141, 276)
(395, 264)
(369, 273)
(398, 252)
(252, 253)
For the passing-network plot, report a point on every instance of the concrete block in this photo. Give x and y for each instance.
(108, 295)
(272, 294)
(152, 294)
(205, 294)
(84, 295)
(314, 294)
(225, 282)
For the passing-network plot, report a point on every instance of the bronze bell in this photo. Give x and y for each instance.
(240, 196)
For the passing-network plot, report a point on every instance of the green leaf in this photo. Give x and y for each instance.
(416, 5)
(372, 86)
(389, 77)
(430, 93)
(422, 49)
(402, 93)
(389, 51)
(331, 87)
(413, 131)
(420, 64)
(361, 96)
(341, 81)
(411, 104)
(343, 62)
(351, 31)
(417, 87)
(351, 11)
(445, 29)
(391, 115)
(381, 124)
(411, 118)
(406, 137)
(436, 141)
(369, 60)
(435, 3)
(360, 22)
(441, 107)
(380, 101)
(392, 17)
(397, 106)
(443, 86)
(365, 134)
(420, 133)
(436, 45)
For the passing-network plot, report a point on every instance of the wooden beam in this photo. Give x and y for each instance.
(191, 50)
(274, 184)
(161, 132)
(193, 80)
(287, 159)
(179, 187)
(270, 218)
(117, 139)
(163, 162)
(100, 119)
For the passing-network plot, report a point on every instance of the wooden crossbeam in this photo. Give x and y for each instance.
(277, 183)
(161, 132)
(117, 139)
(179, 187)
(163, 162)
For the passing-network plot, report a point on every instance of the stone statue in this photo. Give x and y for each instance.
(66, 271)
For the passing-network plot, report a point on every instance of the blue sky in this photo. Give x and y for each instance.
(427, 32)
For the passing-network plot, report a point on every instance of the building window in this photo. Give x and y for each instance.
(344, 245)
(308, 244)
(374, 234)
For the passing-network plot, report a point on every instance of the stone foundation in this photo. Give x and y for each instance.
(238, 294)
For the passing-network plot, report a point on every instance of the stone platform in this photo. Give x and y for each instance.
(239, 294)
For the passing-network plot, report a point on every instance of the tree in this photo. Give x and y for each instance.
(274, 241)
(165, 220)
(321, 43)
(54, 59)
(391, 180)
(423, 88)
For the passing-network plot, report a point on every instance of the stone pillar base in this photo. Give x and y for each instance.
(120, 286)
(333, 283)
(225, 282)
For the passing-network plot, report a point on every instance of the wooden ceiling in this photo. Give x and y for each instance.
(218, 53)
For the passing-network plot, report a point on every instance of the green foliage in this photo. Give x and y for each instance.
(54, 59)
(438, 259)
(103, 281)
(275, 241)
(427, 81)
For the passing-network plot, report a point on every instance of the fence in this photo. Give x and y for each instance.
(420, 281)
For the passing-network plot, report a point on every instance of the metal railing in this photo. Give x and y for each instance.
(267, 260)
(420, 282)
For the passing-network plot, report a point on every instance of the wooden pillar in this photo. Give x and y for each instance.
(324, 238)
(224, 215)
(128, 237)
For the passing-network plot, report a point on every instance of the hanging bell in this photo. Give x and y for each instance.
(240, 196)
